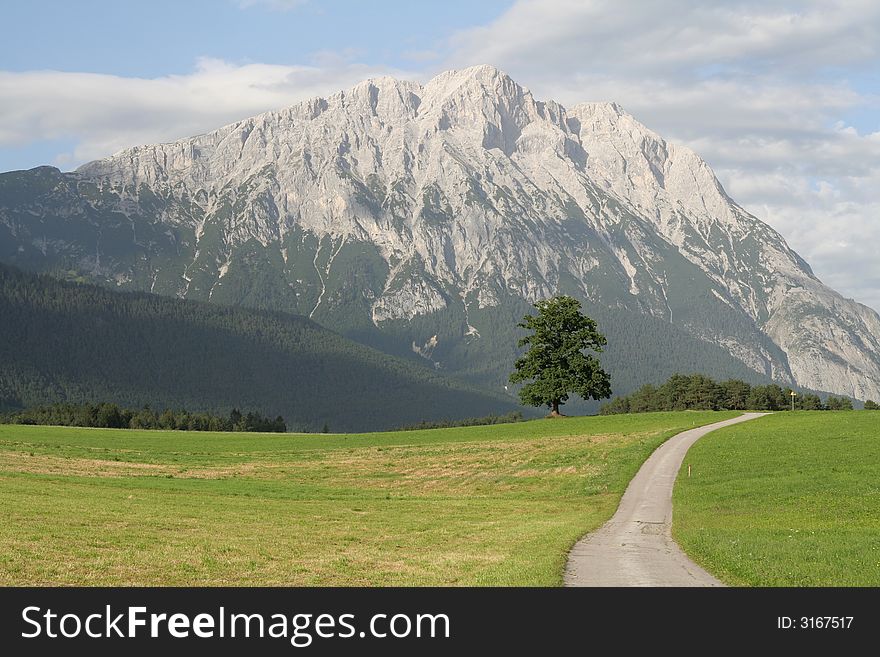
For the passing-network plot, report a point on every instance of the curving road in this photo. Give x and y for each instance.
(635, 547)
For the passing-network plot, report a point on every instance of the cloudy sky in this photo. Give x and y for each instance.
(781, 98)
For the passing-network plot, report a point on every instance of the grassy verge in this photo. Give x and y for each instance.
(792, 499)
(488, 505)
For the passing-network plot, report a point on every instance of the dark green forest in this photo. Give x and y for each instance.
(698, 392)
(111, 416)
(63, 342)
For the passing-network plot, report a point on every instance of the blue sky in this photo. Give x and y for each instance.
(782, 98)
(161, 37)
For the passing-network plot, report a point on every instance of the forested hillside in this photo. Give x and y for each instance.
(67, 342)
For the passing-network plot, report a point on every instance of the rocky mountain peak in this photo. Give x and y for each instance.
(481, 77)
(394, 205)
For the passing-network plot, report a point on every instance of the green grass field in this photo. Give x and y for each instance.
(791, 499)
(490, 505)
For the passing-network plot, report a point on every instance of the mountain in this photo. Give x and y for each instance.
(62, 341)
(422, 220)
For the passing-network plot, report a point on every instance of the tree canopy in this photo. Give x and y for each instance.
(555, 363)
(698, 392)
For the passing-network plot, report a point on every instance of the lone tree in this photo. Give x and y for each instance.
(555, 363)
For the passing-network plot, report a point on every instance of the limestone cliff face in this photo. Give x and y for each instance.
(402, 202)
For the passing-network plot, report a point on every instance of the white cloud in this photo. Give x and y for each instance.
(835, 226)
(105, 113)
(749, 85)
(648, 37)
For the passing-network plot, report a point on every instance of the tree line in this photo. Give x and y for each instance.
(698, 392)
(111, 416)
(507, 418)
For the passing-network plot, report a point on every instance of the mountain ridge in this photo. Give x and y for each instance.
(393, 202)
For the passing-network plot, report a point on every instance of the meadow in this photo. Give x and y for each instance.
(791, 499)
(486, 505)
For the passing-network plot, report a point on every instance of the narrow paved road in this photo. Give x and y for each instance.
(635, 547)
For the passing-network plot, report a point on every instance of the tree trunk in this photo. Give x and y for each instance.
(554, 409)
